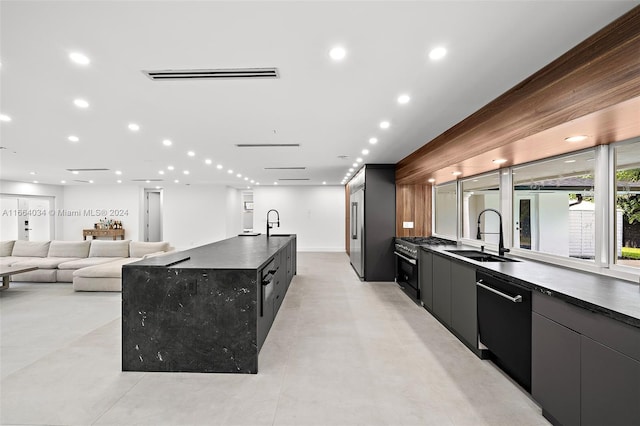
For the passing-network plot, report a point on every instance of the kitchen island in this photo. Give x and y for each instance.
(207, 309)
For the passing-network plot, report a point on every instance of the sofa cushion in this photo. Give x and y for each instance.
(111, 269)
(140, 249)
(44, 262)
(76, 249)
(10, 260)
(97, 284)
(6, 247)
(101, 248)
(30, 248)
(88, 261)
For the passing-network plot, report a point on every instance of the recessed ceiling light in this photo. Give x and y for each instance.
(358, 160)
(577, 138)
(324, 182)
(35, 181)
(75, 172)
(431, 180)
(499, 161)
(161, 172)
(147, 181)
(437, 53)
(385, 124)
(191, 153)
(351, 169)
(133, 127)
(456, 173)
(5, 118)
(118, 172)
(176, 181)
(246, 178)
(257, 183)
(253, 181)
(90, 181)
(208, 161)
(403, 99)
(79, 58)
(373, 141)
(230, 171)
(167, 142)
(157, 187)
(32, 173)
(365, 152)
(73, 138)
(219, 167)
(275, 183)
(348, 174)
(570, 161)
(355, 164)
(239, 175)
(63, 181)
(119, 181)
(81, 103)
(186, 172)
(338, 53)
(170, 167)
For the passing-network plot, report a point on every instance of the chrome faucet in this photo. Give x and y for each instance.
(501, 249)
(277, 222)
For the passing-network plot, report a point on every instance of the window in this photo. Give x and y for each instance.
(627, 204)
(445, 208)
(553, 206)
(480, 193)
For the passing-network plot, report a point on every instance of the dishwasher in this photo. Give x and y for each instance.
(504, 325)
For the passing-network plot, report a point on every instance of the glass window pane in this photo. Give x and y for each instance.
(480, 193)
(553, 206)
(446, 210)
(627, 211)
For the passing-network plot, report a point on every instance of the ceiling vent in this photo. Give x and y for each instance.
(147, 180)
(267, 145)
(88, 170)
(295, 179)
(213, 74)
(285, 168)
(81, 181)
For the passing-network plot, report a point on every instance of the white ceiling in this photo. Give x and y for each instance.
(331, 109)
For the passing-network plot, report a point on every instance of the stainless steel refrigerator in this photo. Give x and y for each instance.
(357, 231)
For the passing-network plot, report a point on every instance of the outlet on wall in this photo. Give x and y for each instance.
(407, 225)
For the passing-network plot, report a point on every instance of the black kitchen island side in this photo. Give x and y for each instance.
(207, 309)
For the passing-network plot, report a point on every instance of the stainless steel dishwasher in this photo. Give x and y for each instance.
(504, 325)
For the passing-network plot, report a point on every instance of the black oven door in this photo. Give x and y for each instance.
(407, 275)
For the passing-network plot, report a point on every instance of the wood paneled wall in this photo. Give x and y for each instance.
(413, 204)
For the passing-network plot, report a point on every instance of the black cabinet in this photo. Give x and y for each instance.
(426, 279)
(555, 370)
(610, 390)
(585, 366)
(464, 310)
(442, 289)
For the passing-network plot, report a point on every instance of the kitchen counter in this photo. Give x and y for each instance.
(207, 309)
(614, 298)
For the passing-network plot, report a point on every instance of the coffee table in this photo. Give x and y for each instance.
(7, 271)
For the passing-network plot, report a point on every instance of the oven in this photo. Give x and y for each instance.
(407, 269)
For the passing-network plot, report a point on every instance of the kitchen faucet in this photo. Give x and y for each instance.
(501, 249)
(269, 224)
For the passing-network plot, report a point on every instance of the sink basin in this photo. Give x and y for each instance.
(480, 256)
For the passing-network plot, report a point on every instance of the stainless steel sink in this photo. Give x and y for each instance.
(480, 256)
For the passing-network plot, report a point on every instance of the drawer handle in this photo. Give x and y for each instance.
(514, 299)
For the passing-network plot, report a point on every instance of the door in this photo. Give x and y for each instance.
(526, 219)
(153, 215)
(27, 218)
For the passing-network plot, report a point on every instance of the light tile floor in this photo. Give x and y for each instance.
(341, 352)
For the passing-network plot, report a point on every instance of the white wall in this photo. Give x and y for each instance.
(233, 212)
(95, 202)
(194, 215)
(553, 223)
(55, 192)
(314, 213)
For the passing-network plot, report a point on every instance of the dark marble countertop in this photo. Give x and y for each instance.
(246, 252)
(612, 297)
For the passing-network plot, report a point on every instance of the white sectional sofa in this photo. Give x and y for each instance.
(94, 265)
